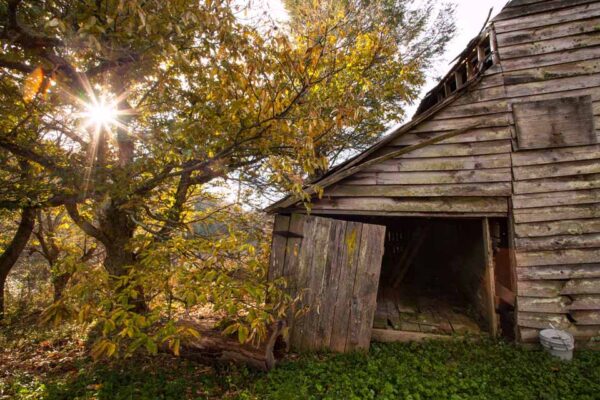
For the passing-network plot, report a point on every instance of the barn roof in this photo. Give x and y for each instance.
(427, 108)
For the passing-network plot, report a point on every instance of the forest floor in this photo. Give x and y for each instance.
(53, 364)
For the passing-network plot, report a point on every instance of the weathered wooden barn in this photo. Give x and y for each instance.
(480, 215)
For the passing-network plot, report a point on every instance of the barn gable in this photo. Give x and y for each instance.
(510, 137)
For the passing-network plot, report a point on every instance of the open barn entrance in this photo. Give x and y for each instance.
(433, 277)
(388, 278)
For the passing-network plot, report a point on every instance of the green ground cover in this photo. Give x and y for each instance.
(433, 370)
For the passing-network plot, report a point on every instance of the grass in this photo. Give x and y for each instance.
(432, 370)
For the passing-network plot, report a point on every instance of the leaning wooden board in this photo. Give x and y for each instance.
(334, 267)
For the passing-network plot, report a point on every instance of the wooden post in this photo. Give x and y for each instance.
(480, 57)
(458, 79)
(489, 277)
(494, 47)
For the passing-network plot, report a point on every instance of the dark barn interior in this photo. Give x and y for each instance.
(431, 277)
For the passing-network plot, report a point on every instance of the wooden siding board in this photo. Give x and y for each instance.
(429, 178)
(281, 223)
(553, 272)
(563, 198)
(563, 122)
(569, 28)
(387, 204)
(549, 60)
(559, 242)
(364, 294)
(551, 156)
(580, 182)
(336, 258)
(557, 169)
(557, 71)
(475, 135)
(532, 10)
(539, 47)
(557, 257)
(465, 190)
(442, 163)
(461, 149)
(555, 228)
(558, 17)
(341, 318)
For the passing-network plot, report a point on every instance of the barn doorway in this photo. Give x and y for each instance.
(438, 277)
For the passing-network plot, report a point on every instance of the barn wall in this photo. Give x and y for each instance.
(469, 174)
(549, 50)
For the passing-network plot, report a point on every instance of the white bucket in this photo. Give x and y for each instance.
(558, 343)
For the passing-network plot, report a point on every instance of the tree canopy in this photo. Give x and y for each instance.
(125, 112)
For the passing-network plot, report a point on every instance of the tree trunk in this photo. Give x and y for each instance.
(14, 250)
(60, 283)
(119, 228)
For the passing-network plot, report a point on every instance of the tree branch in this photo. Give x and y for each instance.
(85, 225)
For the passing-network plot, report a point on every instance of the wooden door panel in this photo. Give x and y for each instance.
(334, 266)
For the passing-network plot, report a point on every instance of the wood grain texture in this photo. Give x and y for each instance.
(278, 245)
(563, 122)
(584, 167)
(429, 177)
(557, 213)
(552, 272)
(465, 190)
(424, 204)
(442, 163)
(574, 227)
(562, 198)
(557, 257)
(559, 242)
(566, 183)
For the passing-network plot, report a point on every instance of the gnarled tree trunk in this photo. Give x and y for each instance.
(12, 252)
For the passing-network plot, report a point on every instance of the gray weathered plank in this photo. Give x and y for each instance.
(335, 261)
(461, 149)
(559, 242)
(475, 135)
(341, 319)
(557, 305)
(557, 169)
(556, 213)
(489, 189)
(583, 11)
(586, 317)
(563, 122)
(442, 163)
(552, 272)
(317, 272)
(580, 182)
(424, 204)
(557, 257)
(543, 320)
(538, 47)
(563, 198)
(429, 177)
(553, 228)
(568, 28)
(541, 10)
(364, 295)
(278, 245)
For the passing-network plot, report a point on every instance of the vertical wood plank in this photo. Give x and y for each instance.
(314, 283)
(335, 260)
(489, 277)
(298, 270)
(350, 247)
(366, 284)
(278, 245)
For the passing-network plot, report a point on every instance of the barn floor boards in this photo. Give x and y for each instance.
(425, 314)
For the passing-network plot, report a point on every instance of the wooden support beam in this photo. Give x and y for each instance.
(489, 277)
